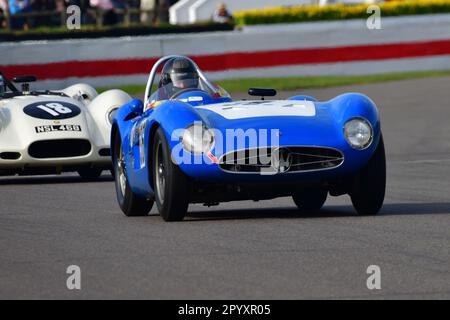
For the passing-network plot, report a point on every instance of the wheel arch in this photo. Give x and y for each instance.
(171, 117)
(114, 132)
(151, 140)
(350, 105)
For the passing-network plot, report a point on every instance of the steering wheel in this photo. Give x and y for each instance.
(176, 94)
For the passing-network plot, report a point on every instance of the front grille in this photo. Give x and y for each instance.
(67, 148)
(281, 159)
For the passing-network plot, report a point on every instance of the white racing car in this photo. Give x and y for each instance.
(49, 132)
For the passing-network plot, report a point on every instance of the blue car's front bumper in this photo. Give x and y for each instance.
(204, 169)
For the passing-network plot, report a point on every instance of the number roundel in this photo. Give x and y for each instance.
(52, 110)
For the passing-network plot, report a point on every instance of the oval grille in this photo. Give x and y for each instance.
(66, 148)
(281, 159)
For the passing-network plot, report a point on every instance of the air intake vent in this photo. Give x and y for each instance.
(10, 156)
(105, 152)
(67, 148)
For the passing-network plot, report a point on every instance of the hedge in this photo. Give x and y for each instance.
(90, 31)
(338, 12)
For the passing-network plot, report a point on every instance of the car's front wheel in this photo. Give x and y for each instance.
(171, 185)
(370, 184)
(311, 200)
(130, 203)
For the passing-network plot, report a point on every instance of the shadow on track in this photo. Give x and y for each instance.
(265, 213)
(52, 179)
(390, 209)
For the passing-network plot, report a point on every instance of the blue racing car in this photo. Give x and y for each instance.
(189, 142)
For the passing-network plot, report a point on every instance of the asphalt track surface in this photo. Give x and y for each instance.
(247, 250)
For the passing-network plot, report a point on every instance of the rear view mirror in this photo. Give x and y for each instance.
(24, 79)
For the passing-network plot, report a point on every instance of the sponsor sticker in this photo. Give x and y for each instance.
(58, 128)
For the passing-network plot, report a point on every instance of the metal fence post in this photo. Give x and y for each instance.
(126, 18)
(99, 17)
(8, 21)
(63, 18)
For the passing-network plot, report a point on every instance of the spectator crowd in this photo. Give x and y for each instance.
(24, 14)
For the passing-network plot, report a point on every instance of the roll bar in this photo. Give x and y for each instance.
(8, 83)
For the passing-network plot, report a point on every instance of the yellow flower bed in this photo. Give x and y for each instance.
(338, 11)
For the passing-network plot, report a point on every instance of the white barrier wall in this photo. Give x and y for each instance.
(323, 48)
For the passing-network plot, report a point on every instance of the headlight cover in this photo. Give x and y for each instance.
(359, 133)
(112, 115)
(198, 139)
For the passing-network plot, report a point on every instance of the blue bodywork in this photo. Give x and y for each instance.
(325, 129)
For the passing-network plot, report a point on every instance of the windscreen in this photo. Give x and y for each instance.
(170, 89)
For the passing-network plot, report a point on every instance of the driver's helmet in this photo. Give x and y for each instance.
(181, 73)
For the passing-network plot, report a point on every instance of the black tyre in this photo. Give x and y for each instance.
(90, 173)
(171, 185)
(310, 201)
(370, 184)
(131, 204)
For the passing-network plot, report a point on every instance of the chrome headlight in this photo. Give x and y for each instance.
(112, 115)
(358, 133)
(198, 139)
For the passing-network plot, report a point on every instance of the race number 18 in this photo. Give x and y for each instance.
(55, 109)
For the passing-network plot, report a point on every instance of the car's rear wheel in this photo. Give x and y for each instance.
(370, 184)
(90, 173)
(311, 200)
(171, 185)
(131, 204)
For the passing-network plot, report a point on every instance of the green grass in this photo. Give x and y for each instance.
(295, 83)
